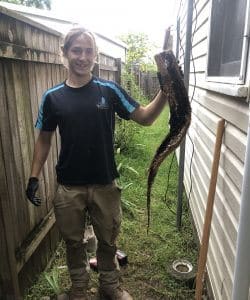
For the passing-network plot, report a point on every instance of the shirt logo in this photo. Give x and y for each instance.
(103, 104)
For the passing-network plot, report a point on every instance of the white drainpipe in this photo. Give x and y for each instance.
(242, 261)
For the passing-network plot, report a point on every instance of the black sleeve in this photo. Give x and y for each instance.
(46, 119)
(124, 104)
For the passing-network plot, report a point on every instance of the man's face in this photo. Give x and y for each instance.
(81, 55)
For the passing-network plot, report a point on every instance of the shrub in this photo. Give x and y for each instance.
(125, 131)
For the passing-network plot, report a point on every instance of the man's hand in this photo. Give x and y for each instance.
(31, 190)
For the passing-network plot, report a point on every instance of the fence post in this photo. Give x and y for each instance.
(118, 73)
(96, 70)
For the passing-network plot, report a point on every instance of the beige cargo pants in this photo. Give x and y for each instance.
(103, 203)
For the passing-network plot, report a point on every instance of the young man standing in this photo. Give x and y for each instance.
(83, 107)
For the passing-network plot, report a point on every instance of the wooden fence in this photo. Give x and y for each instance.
(147, 82)
(29, 64)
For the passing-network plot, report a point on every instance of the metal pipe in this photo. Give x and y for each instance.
(241, 281)
(188, 47)
(177, 38)
(245, 44)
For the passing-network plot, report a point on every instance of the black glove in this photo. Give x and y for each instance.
(32, 187)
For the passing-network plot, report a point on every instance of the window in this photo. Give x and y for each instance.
(228, 41)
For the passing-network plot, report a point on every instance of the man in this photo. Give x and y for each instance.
(83, 107)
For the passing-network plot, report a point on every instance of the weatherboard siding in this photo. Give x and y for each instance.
(208, 107)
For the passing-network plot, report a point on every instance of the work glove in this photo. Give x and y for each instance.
(31, 190)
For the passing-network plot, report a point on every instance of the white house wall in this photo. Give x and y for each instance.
(208, 107)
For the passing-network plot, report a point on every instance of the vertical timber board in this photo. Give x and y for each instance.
(24, 114)
(40, 39)
(96, 70)
(5, 131)
(47, 42)
(22, 100)
(19, 32)
(33, 96)
(34, 37)
(3, 28)
(8, 271)
(118, 73)
(5, 278)
(27, 35)
(9, 283)
(12, 152)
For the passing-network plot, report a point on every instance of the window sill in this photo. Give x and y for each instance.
(233, 90)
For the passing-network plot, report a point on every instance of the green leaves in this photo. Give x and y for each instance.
(53, 280)
(140, 52)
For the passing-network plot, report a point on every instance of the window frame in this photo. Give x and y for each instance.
(244, 54)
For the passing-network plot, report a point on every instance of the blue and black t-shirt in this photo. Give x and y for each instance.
(85, 117)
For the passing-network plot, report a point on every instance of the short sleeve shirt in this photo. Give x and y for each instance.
(85, 118)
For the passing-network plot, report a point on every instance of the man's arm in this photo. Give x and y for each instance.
(146, 115)
(41, 151)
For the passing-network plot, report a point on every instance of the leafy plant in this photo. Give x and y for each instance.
(139, 52)
(124, 134)
(124, 130)
(53, 280)
(138, 56)
(128, 206)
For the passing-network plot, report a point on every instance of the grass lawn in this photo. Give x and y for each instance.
(147, 274)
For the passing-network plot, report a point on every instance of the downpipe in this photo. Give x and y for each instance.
(188, 49)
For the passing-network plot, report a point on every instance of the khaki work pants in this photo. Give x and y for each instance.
(103, 203)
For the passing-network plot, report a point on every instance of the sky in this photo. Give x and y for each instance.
(116, 17)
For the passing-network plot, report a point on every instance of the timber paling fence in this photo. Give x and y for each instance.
(30, 63)
(149, 83)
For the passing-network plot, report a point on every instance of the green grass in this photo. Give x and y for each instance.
(147, 274)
